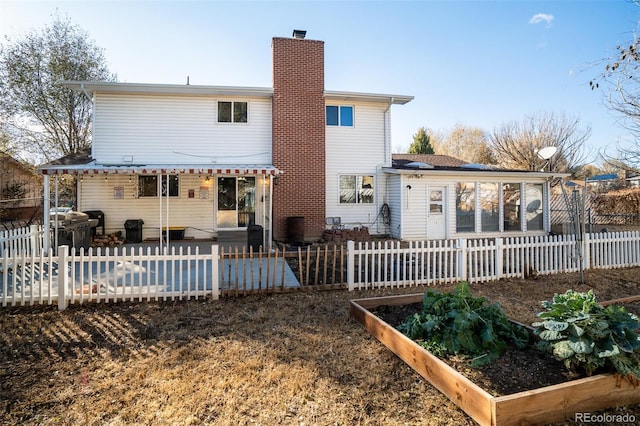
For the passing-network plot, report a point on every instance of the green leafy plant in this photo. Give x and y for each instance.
(459, 323)
(587, 336)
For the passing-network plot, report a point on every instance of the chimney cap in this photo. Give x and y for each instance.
(301, 34)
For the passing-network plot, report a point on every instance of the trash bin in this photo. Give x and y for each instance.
(133, 228)
(295, 229)
(254, 237)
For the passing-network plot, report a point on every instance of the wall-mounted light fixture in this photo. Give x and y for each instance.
(409, 187)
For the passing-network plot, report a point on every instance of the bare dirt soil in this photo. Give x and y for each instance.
(292, 359)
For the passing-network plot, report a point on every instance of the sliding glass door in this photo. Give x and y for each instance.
(236, 202)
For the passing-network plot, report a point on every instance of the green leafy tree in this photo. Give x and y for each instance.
(45, 119)
(421, 142)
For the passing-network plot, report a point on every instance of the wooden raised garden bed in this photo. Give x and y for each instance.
(538, 406)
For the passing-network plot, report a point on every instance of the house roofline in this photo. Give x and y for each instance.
(201, 90)
(356, 96)
(167, 89)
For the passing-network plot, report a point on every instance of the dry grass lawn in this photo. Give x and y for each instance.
(292, 359)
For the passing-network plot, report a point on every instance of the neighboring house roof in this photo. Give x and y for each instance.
(200, 90)
(27, 168)
(445, 165)
(432, 159)
(77, 158)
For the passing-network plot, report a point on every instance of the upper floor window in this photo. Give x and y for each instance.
(148, 186)
(339, 115)
(356, 189)
(232, 112)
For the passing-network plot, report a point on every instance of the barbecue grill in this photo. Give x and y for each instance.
(74, 228)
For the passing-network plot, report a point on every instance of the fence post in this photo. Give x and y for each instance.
(215, 284)
(351, 246)
(462, 259)
(63, 277)
(33, 240)
(499, 263)
(586, 251)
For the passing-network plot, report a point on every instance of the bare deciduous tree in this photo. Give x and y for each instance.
(465, 143)
(44, 118)
(516, 144)
(621, 82)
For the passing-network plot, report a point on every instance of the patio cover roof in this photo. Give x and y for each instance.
(81, 163)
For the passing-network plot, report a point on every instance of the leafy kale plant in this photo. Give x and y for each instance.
(458, 323)
(587, 336)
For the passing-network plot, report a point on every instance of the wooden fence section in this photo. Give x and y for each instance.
(276, 271)
(25, 240)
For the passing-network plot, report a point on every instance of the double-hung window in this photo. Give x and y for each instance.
(232, 112)
(356, 189)
(339, 115)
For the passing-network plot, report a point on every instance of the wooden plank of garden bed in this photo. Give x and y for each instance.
(475, 401)
(621, 300)
(564, 400)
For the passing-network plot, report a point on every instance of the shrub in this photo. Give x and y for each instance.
(458, 323)
(587, 336)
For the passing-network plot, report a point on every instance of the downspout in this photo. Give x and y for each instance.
(387, 159)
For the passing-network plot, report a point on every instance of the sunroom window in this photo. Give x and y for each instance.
(465, 207)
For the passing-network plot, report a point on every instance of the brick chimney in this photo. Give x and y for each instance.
(298, 135)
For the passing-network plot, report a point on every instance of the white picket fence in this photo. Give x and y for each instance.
(109, 276)
(21, 240)
(28, 276)
(398, 264)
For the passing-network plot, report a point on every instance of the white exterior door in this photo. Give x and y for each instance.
(436, 215)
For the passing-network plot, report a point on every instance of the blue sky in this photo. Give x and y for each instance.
(477, 63)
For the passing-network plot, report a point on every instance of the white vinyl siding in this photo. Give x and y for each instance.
(357, 150)
(196, 214)
(177, 130)
(411, 222)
